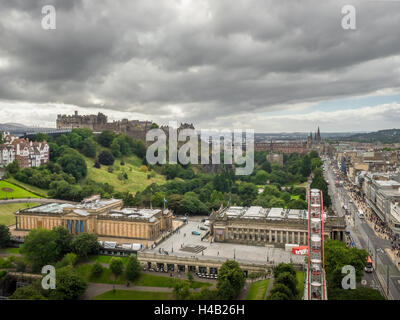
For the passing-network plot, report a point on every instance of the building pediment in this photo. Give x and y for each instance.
(74, 215)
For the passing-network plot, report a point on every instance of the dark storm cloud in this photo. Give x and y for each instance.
(196, 60)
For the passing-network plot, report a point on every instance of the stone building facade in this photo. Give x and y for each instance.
(277, 226)
(104, 217)
(136, 129)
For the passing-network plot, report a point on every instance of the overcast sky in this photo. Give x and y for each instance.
(272, 66)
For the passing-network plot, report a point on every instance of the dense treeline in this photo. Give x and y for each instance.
(337, 255)
(190, 189)
(65, 174)
(199, 193)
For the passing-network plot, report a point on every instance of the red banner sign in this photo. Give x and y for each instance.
(300, 250)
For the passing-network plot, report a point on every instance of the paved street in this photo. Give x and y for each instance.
(365, 237)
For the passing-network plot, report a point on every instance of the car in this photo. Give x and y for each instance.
(196, 233)
(203, 228)
(203, 220)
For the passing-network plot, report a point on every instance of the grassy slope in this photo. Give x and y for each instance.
(16, 193)
(137, 180)
(7, 211)
(300, 283)
(257, 290)
(40, 192)
(134, 295)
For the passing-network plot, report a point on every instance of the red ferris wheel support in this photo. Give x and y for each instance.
(315, 278)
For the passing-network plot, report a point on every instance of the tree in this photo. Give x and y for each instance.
(13, 167)
(281, 288)
(139, 148)
(284, 267)
(63, 239)
(305, 168)
(132, 270)
(74, 164)
(62, 140)
(278, 296)
(85, 244)
(248, 193)
(5, 236)
(69, 285)
(231, 279)
(261, 177)
(116, 266)
(88, 147)
(115, 148)
(106, 158)
(29, 292)
(97, 270)
(320, 183)
(106, 138)
(226, 290)
(337, 255)
(289, 280)
(40, 137)
(181, 291)
(40, 248)
(70, 259)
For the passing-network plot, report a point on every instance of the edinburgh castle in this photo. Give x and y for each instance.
(97, 123)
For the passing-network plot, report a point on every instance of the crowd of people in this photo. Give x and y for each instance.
(379, 226)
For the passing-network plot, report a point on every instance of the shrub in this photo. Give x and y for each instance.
(97, 270)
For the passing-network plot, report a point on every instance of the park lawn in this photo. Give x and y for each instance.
(294, 197)
(134, 295)
(258, 290)
(41, 193)
(106, 259)
(15, 191)
(300, 283)
(137, 180)
(7, 211)
(149, 280)
(10, 250)
(146, 280)
(84, 270)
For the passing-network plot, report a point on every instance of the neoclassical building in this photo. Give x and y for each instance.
(257, 225)
(104, 217)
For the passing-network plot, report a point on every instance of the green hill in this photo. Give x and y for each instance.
(384, 136)
(137, 178)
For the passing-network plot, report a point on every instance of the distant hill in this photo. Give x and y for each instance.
(384, 136)
(20, 129)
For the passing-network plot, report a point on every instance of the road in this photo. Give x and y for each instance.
(364, 237)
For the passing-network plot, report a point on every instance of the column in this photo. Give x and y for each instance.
(270, 235)
(276, 236)
(298, 237)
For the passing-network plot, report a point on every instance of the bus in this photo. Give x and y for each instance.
(369, 267)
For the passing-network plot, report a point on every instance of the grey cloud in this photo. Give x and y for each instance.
(202, 62)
